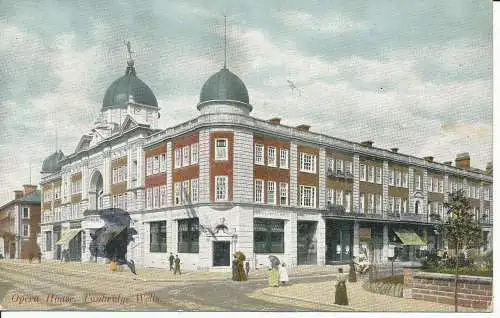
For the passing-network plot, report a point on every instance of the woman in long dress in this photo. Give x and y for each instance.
(283, 274)
(341, 290)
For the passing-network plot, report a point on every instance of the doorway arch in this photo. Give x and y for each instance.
(96, 191)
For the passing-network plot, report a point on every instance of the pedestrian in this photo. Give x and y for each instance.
(247, 267)
(283, 274)
(113, 266)
(274, 276)
(341, 290)
(177, 265)
(241, 271)
(234, 267)
(171, 260)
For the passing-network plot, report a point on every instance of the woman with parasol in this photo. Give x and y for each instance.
(274, 274)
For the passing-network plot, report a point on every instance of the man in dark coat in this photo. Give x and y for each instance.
(247, 267)
(177, 265)
(171, 260)
(236, 277)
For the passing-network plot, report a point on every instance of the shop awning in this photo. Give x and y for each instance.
(409, 237)
(67, 236)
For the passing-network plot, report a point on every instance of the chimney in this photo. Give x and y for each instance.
(462, 160)
(275, 120)
(448, 163)
(28, 189)
(395, 150)
(18, 194)
(368, 143)
(489, 168)
(303, 127)
(429, 158)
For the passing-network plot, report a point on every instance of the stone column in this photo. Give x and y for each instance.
(291, 240)
(385, 240)
(321, 241)
(411, 186)
(204, 165)
(425, 189)
(169, 173)
(322, 178)
(355, 240)
(355, 184)
(243, 167)
(293, 175)
(385, 187)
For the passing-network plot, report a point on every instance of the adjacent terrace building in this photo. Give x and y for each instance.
(226, 181)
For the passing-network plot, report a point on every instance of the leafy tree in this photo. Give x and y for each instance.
(460, 229)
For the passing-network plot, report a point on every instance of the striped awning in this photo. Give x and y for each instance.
(67, 236)
(409, 237)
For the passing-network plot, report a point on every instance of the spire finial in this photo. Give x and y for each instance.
(129, 49)
(130, 62)
(225, 42)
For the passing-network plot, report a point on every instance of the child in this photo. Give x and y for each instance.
(283, 274)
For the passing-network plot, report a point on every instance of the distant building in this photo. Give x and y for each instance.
(225, 181)
(20, 224)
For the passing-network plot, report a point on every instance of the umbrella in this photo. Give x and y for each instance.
(275, 262)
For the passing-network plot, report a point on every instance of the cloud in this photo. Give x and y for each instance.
(333, 23)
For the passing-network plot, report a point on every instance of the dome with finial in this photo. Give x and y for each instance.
(224, 87)
(52, 163)
(126, 88)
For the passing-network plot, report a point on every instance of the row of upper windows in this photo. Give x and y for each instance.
(185, 156)
(156, 164)
(339, 197)
(186, 192)
(119, 174)
(371, 174)
(120, 201)
(272, 191)
(272, 154)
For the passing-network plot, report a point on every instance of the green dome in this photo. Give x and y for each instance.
(52, 163)
(224, 86)
(117, 95)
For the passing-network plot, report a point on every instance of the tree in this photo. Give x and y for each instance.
(460, 229)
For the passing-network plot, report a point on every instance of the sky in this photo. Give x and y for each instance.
(416, 75)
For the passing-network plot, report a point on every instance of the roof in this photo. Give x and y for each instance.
(224, 86)
(52, 163)
(129, 85)
(32, 198)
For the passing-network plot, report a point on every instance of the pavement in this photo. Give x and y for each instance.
(84, 286)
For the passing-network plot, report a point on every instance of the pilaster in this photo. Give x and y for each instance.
(355, 183)
(322, 178)
(385, 186)
(425, 185)
(243, 167)
(291, 239)
(204, 164)
(293, 175)
(411, 186)
(169, 174)
(321, 241)
(355, 239)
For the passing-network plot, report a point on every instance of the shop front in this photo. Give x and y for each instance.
(339, 241)
(406, 244)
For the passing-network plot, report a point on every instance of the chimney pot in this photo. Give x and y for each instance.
(429, 158)
(395, 150)
(448, 163)
(368, 143)
(275, 120)
(18, 194)
(303, 127)
(29, 188)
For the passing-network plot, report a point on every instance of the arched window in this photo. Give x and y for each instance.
(417, 205)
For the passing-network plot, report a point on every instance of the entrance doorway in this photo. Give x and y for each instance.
(222, 253)
(75, 248)
(306, 243)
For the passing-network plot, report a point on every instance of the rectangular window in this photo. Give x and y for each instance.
(271, 192)
(429, 184)
(371, 174)
(149, 166)
(185, 192)
(156, 197)
(391, 177)
(418, 182)
(259, 154)
(404, 179)
(371, 203)
(269, 236)
(26, 230)
(163, 162)
(330, 196)
(188, 235)
(221, 188)
(163, 195)
(378, 175)
(308, 196)
(194, 153)
(362, 203)
(194, 190)
(149, 198)
(158, 237)
(221, 149)
(362, 172)
(283, 193)
(26, 213)
(339, 197)
(397, 205)
(486, 194)
(390, 202)
(177, 193)
(271, 156)
(307, 162)
(185, 156)
(339, 166)
(178, 158)
(156, 164)
(48, 241)
(435, 185)
(347, 202)
(405, 206)
(259, 191)
(348, 168)
(284, 158)
(379, 203)
(115, 175)
(397, 179)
